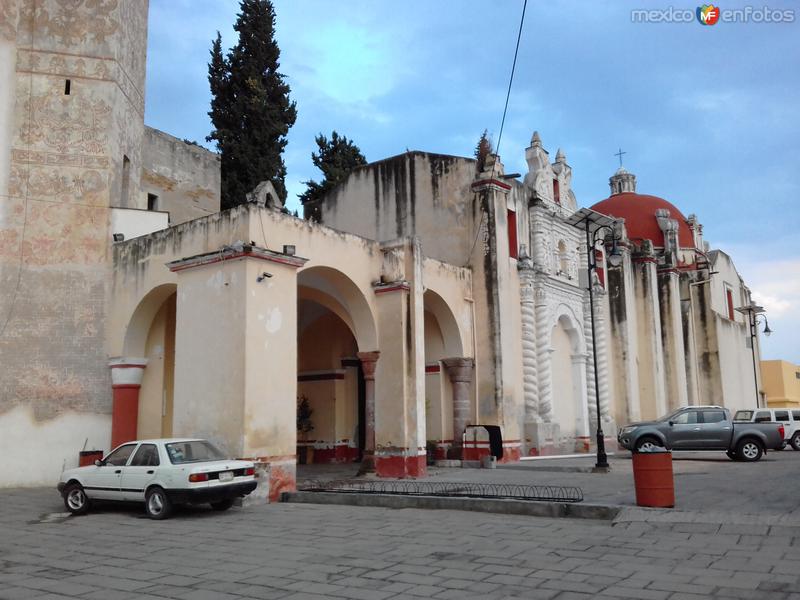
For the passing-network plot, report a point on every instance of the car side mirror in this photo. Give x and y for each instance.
(671, 423)
(98, 463)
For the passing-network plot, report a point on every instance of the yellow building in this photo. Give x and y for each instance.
(781, 381)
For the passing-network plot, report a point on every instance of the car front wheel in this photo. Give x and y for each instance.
(646, 444)
(796, 440)
(75, 499)
(157, 504)
(749, 450)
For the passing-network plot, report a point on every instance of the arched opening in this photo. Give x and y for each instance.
(442, 340)
(334, 323)
(151, 335)
(568, 365)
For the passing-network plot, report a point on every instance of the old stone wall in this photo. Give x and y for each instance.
(180, 178)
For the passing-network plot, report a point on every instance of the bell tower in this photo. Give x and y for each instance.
(71, 125)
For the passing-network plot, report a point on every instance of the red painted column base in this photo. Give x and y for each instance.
(124, 414)
(401, 466)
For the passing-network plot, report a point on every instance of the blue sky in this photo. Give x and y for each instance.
(708, 116)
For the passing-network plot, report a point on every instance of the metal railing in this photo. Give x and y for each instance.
(548, 493)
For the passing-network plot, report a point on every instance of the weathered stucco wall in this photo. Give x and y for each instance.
(77, 112)
(185, 178)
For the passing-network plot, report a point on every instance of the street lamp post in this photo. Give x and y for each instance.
(593, 223)
(753, 312)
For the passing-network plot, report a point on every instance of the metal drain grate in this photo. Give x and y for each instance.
(549, 493)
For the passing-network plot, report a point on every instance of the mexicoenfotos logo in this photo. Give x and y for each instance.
(708, 14)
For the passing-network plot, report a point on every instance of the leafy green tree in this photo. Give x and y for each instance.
(336, 158)
(250, 107)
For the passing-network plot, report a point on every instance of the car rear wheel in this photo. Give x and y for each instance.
(749, 450)
(646, 444)
(222, 504)
(157, 504)
(75, 499)
(796, 440)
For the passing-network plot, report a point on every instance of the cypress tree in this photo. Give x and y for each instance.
(250, 107)
(335, 158)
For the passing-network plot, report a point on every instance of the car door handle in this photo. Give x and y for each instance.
(727, 428)
(696, 429)
(150, 472)
(118, 471)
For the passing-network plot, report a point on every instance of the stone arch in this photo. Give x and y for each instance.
(568, 375)
(451, 332)
(337, 292)
(443, 340)
(138, 326)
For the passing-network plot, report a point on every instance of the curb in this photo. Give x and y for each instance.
(529, 508)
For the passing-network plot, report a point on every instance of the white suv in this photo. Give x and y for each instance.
(789, 418)
(160, 473)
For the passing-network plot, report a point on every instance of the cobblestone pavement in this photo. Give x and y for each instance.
(313, 552)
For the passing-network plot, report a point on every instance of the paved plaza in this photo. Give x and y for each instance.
(296, 551)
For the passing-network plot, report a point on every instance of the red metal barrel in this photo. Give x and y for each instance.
(652, 476)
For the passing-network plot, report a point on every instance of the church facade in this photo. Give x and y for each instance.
(431, 298)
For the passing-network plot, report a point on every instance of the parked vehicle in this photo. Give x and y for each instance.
(789, 418)
(160, 473)
(704, 428)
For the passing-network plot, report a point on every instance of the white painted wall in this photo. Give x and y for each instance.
(33, 450)
(133, 223)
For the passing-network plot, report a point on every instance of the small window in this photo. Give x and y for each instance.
(146, 456)
(729, 302)
(686, 418)
(796, 415)
(782, 415)
(512, 234)
(120, 456)
(556, 191)
(763, 416)
(743, 415)
(713, 416)
(797, 374)
(152, 202)
(126, 181)
(67, 87)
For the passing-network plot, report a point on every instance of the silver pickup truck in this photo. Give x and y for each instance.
(704, 428)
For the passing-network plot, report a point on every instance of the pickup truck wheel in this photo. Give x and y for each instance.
(749, 450)
(75, 499)
(157, 504)
(795, 442)
(646, 444)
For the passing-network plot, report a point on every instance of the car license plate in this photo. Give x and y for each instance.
(226, 476)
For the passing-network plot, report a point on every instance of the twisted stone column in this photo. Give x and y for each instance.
(530, 368)
(460, 372)
(591, 390)
(543, 334)
(601, 346)
(369, 360)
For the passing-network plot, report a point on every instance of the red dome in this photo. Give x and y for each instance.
(639, 212)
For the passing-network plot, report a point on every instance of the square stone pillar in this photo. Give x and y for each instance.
(235, 381)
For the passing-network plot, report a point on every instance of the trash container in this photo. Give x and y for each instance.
(652, 476)
(87, 457)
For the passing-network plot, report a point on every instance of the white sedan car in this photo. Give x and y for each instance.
(160, 473)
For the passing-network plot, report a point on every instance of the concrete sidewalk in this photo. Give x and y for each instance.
(709, 487)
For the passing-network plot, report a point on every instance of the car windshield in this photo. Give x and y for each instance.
(743, 415)
(194, 451)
